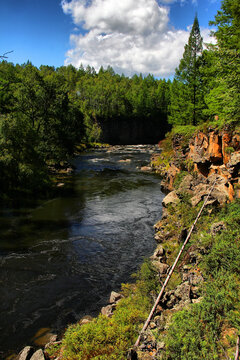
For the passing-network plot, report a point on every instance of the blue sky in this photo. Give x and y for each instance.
(146, 36)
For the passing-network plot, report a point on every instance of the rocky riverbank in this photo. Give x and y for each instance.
(188, 171)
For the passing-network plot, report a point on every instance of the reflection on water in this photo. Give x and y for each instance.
(61, 260)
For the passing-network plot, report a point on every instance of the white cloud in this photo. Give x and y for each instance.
(131, 36)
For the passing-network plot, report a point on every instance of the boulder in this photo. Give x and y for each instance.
(38, 355)
(115, 297)
(196, 199)
(171, 199)
(26, 353)
(222, 192)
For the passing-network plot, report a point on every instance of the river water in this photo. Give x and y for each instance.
(61, 260)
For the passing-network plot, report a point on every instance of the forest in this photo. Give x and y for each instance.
(45, 113)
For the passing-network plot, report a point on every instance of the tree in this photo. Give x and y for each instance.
(224, 97)
(190, 95)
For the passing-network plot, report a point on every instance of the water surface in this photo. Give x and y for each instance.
(61, 260)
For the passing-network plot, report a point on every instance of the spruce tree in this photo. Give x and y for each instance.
(224, 96)
(189, 97)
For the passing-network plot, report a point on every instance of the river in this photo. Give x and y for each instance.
(60, 260)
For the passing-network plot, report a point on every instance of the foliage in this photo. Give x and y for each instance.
(187, 95)
(224, 94)
(197, 332)
(46, 113)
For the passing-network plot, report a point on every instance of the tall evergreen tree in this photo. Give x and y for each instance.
(190, 96)
(224, 96)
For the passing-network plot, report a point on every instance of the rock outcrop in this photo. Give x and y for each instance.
(212, 155)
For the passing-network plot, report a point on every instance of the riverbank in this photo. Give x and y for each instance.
(192, 320)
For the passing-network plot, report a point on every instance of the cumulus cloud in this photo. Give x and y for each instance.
(131, 36)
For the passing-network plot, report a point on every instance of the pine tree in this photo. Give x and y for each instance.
(190, 95)
(224, 97)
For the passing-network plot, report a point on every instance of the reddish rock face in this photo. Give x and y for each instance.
(214, 153)
(215, 148)
(226, 139)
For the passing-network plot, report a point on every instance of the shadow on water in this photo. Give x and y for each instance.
(61, 260)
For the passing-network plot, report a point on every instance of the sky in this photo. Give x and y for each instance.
(132, 36)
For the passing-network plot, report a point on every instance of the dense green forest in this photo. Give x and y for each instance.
(45, 113)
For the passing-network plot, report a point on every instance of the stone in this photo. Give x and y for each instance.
(38, 355)
(195, 278)
(26, 353)
(159, 236)
(125, 161)
(186, 184)
(152, 325)
(108, 310)
(115, 297)
(69, 170)
(85, 320)
(160, 345)
(197, 301)
(159, 251)
(236, 142)
(171, 175)
(183, 291)
(160, 267)
(146, 168)
(198, 148)
(195, 200)
(234, 159)
(171, 199)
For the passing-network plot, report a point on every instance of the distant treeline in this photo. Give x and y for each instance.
(46, 112)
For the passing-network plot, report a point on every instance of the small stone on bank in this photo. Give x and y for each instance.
(26, 353)
(38, 355)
